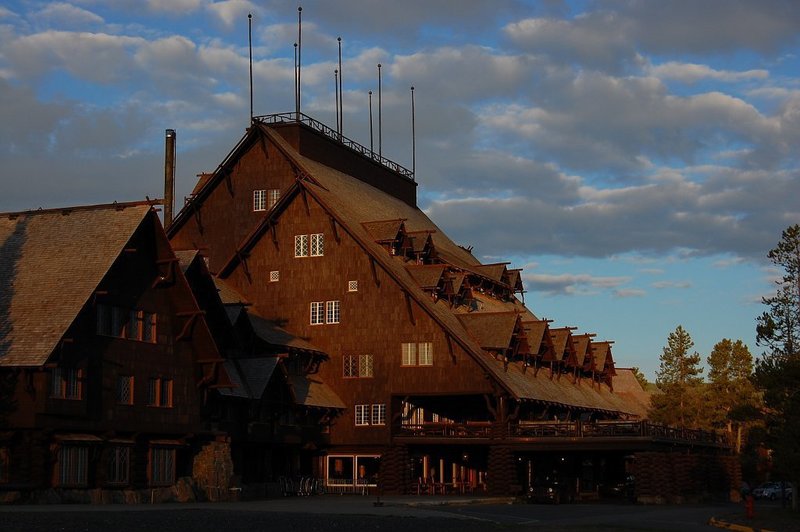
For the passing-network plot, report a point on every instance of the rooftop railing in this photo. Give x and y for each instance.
(316, 125)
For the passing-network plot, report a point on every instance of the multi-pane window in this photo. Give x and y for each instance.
(273, 195)
(374, 414)
(274, 276)
(317, 245)
(350, 366)
(425, 354)
(73, 466)
(378, 414)
(331, 312)
(159, 392)
(409, 354)
(362, 415)
(317, 312)
(132, 324)
(119, 460)
(366, 366)
(352, 286)
(259, 200)
(125, 389)
(313, 245)
(66, 383)
(162, 466)
(359, 366)
(5, 465)
(301, 245)
(417, 354)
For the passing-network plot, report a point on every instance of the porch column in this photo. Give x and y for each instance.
(501, 470)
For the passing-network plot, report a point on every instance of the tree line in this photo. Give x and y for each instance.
(757, 401)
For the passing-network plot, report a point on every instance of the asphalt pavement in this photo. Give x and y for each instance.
(350, 513)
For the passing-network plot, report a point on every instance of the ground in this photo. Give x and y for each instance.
(332, 513)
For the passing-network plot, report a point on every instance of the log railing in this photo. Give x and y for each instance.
(566, 429)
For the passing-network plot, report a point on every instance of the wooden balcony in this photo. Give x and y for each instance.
(585, 433)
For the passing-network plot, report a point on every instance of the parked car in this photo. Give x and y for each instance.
(765, 490)
(787, 492)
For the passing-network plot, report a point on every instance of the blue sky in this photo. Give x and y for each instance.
(637, 159)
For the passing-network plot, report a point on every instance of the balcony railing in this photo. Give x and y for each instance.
(470, 429)
(285, 118)
(567, 429)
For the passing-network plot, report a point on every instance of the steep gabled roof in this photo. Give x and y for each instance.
(427, 276)
(351, 202)
(582, 343)
(384, 230)
(495, 272)
(51, 262)
(560, 337)
(310, 390)
(271, 333)
(492, 330)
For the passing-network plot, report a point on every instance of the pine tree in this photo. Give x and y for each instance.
(778, 370)
(731, 397)
(679, 377)
(640, 377)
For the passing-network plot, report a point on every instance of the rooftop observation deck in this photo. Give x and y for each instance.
(316, 125)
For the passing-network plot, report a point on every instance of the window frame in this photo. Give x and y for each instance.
(378, 414)
(66, 383)
(425, 354)
(301, 246)
(332, 312)
(366, 366)
(259, 200)
(125, 382)
(362, 415)
(118, 472)
(274, 276)
(317, 244)
(350, 367)
(273, 195)
(160, 392)
(352, 286)
(161, 462)
(73, 466)
(408, 356)
(317, 313)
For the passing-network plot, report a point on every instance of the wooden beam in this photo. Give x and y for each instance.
(410, 308)
(374, 271)
(334, 230)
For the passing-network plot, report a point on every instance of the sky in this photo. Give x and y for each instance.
(637, 159)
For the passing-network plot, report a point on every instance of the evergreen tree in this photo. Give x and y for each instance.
(678, 377)
(731, 397)
(640, 377)
(778, 370)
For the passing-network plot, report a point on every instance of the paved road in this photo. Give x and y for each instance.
(348, 514)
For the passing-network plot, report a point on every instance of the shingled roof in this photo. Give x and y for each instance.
(492, 330)
(51, 262)
(352, 203)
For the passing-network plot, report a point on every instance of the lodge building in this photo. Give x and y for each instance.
(448, 383)
(301, 317)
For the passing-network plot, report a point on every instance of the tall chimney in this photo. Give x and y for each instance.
(169, 177)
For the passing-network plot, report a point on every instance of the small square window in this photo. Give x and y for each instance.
(350, 366)
(159, 393)
(366, 366)
(352, 286)
(274, 276)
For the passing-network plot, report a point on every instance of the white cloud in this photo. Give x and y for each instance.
(570, 284)
(692, 73)
(64, 15)
(232, 12)
(175, 6)
(671, 284)
(629, 292)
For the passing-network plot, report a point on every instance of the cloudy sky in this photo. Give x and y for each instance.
(637, 159)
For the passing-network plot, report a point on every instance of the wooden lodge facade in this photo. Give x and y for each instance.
(430, 374)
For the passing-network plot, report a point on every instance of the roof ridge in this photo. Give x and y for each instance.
(99, 206)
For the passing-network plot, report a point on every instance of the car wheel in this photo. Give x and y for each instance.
(773, 497)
